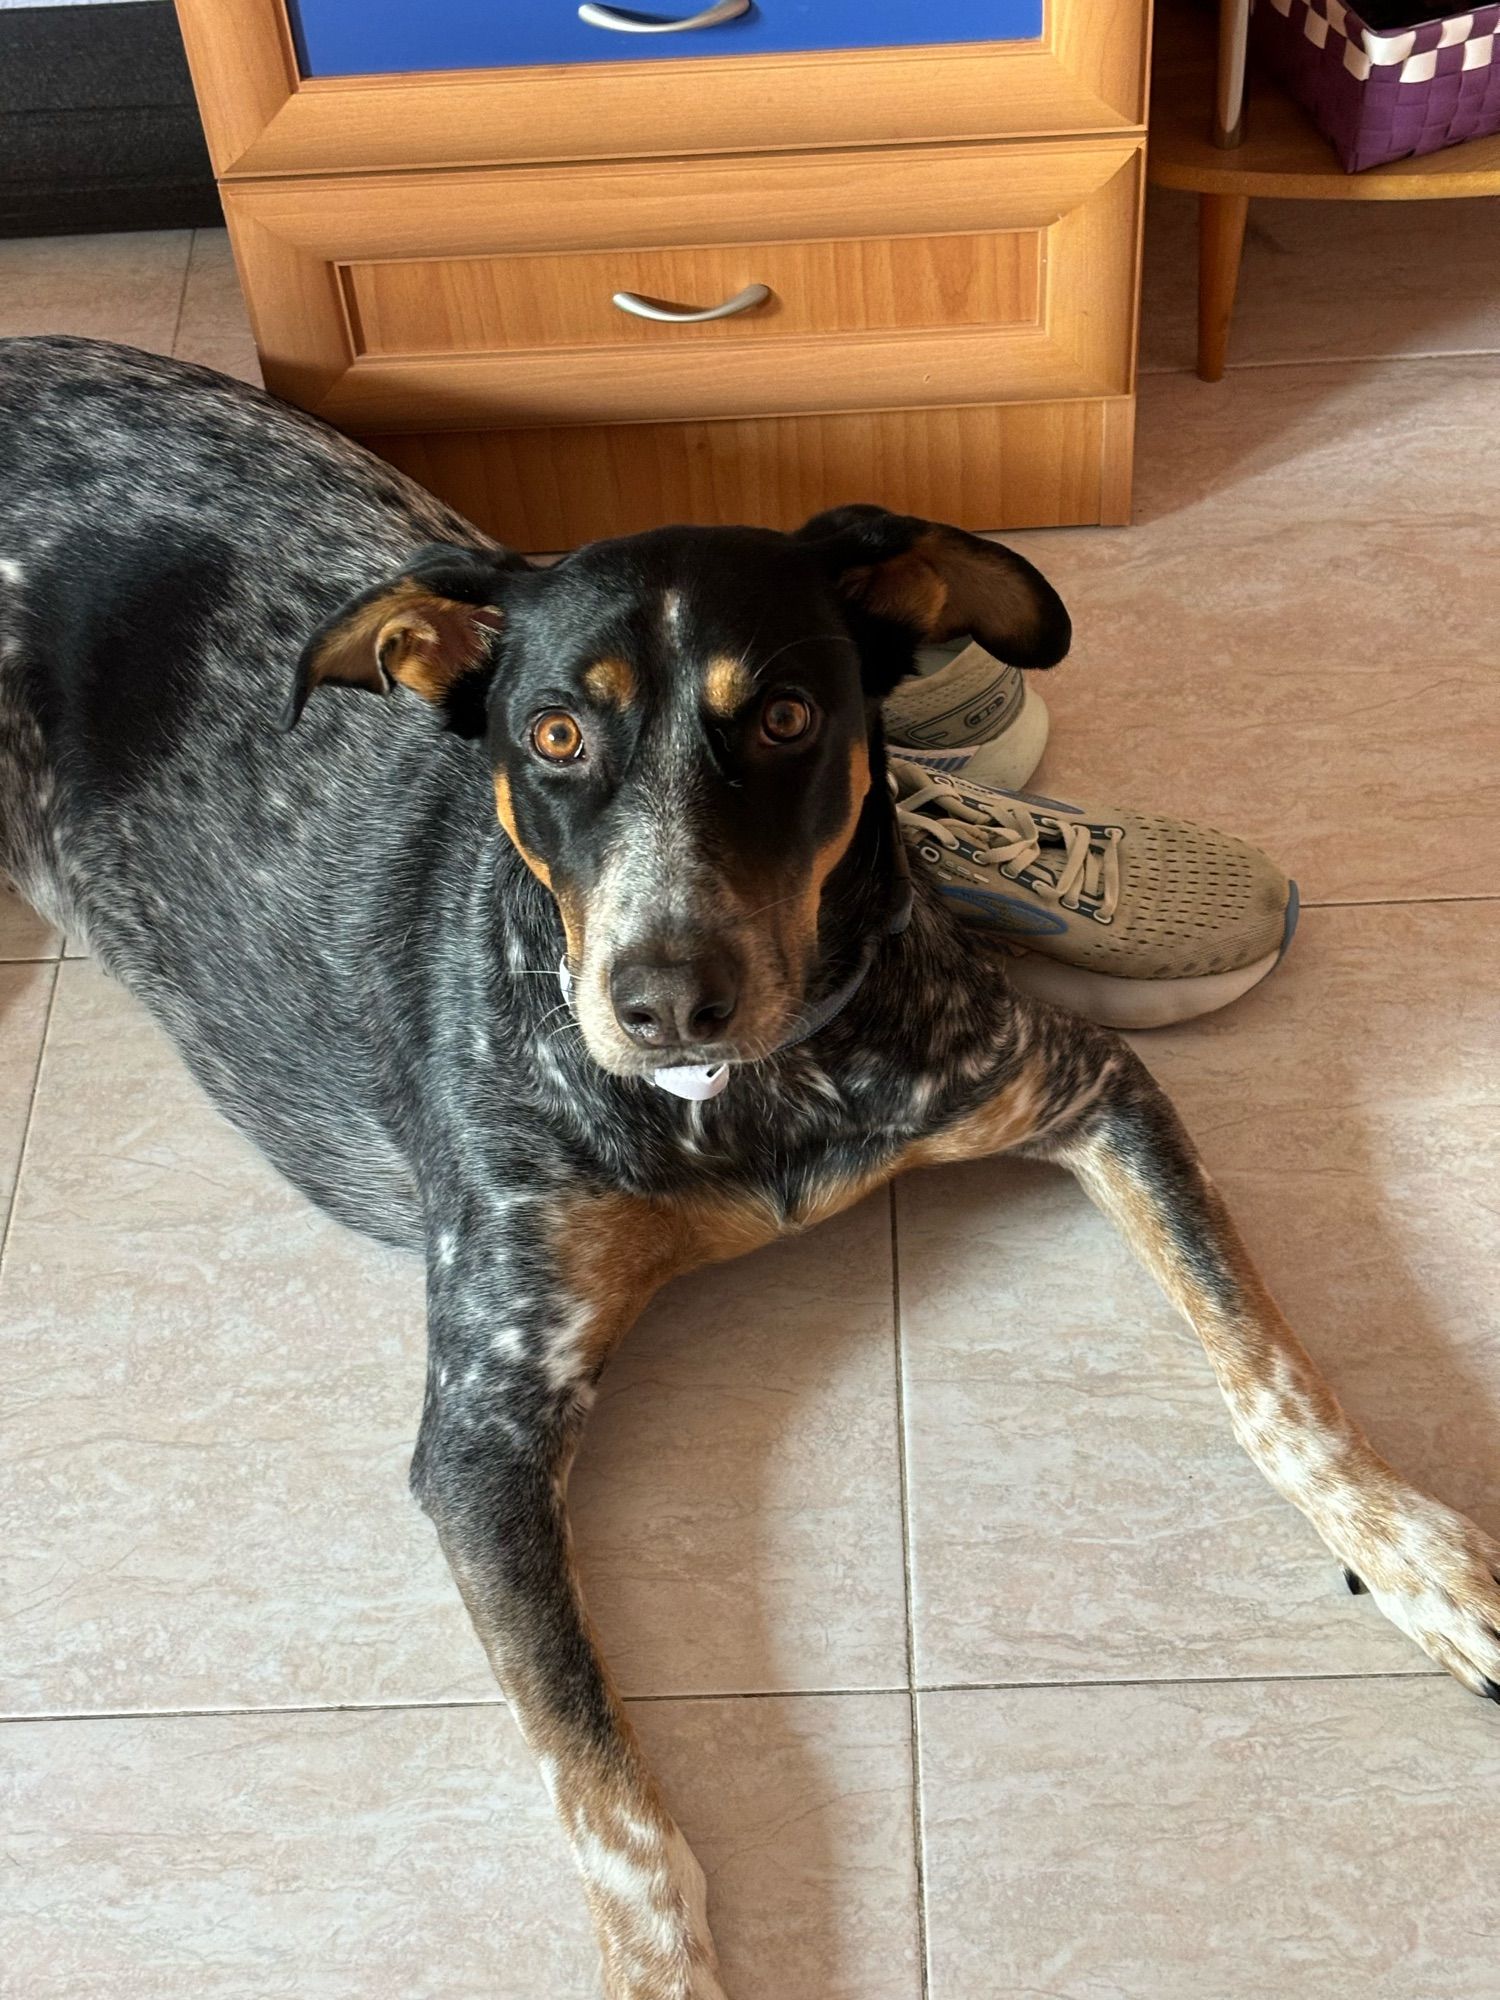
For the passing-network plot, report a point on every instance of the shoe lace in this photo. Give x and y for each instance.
(1073, 862)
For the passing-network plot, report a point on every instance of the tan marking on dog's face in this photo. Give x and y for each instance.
(787, 906)
(567, 905)
(727, 685)
(611, 682)
(505, 812)
(801, 936)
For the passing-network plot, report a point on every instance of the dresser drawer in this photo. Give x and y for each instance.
(370, 37)
(937, 276)
(1009, 68)
(609, 298)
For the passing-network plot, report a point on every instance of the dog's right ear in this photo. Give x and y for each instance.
(431, 627)
(907, 582)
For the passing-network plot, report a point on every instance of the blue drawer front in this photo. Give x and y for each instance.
(372, 37)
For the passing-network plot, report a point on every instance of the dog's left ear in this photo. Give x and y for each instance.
(912, 583)
(431, 627)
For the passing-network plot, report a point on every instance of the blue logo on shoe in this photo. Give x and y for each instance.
(1005, 913)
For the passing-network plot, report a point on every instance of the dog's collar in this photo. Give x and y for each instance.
(699, 1081)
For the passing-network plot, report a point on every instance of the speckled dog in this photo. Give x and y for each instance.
(662, 761)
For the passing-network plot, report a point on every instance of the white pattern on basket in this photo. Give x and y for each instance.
(1373, 51)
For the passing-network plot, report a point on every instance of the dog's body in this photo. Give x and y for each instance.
(359, 960)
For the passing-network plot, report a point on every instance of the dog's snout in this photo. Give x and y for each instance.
(664, 1006)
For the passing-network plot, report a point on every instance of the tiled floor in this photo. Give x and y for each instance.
(976, 1660)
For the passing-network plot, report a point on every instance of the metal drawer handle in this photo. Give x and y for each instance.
(650, 24)
(632, 302)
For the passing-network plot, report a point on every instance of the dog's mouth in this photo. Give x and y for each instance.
(695, 974)
(759, 1029)
(728, 998)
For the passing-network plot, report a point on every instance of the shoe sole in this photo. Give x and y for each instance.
(1112, 1002)
(1005, 762)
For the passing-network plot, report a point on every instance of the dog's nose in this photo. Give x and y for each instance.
(665, 1006)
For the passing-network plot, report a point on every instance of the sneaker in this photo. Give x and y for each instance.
(966, 707)
(1130, 919)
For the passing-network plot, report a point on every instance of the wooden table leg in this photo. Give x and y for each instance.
(1221, 237)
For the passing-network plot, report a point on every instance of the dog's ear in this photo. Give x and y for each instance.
(431, 627)
(911, 583)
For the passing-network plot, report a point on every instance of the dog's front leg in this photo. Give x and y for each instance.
(515, 1345)
(1431, 1570)
(1079, 1096)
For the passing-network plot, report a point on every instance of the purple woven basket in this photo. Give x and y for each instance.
(1379, 97)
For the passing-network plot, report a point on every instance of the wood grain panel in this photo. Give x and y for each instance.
(474, 304)
(1021, 465)
(1085, 75)
(712, 379)
(786, 198)
(292, 237)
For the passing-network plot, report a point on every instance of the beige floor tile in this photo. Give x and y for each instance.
(412, 1854)
(1079, 1507)
(217, 1390)
(126, 288)
(214, 329)
(1295, 640)
(25, 991)
(738, 1501)
(23, 934)
(1248, 1841)
(214, 1392)
(800, 1811)
(1324, 281)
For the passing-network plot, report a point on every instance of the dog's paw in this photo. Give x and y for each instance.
(1437, 1576)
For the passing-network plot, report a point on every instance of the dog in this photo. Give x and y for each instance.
(552, 922)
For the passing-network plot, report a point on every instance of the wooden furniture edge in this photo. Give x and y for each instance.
(263, 120)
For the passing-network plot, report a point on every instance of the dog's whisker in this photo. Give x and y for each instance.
(779, 904)
(552, 1014)
(807, 638)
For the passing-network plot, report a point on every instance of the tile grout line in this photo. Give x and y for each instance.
(1420, 1677)
(914, 1706)
(417, 1705)
(1394, 902)
(1388, 1675)
(1323, 361)
(27, 1121)
(187, 271)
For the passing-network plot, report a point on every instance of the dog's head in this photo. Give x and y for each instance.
(682, 729)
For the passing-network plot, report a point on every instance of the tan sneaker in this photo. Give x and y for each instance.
(964, 710)
(1131, 919)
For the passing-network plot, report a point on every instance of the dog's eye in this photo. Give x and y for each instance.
(785, 718)
(557, 736)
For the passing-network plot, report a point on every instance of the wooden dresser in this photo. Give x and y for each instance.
(451, 218)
